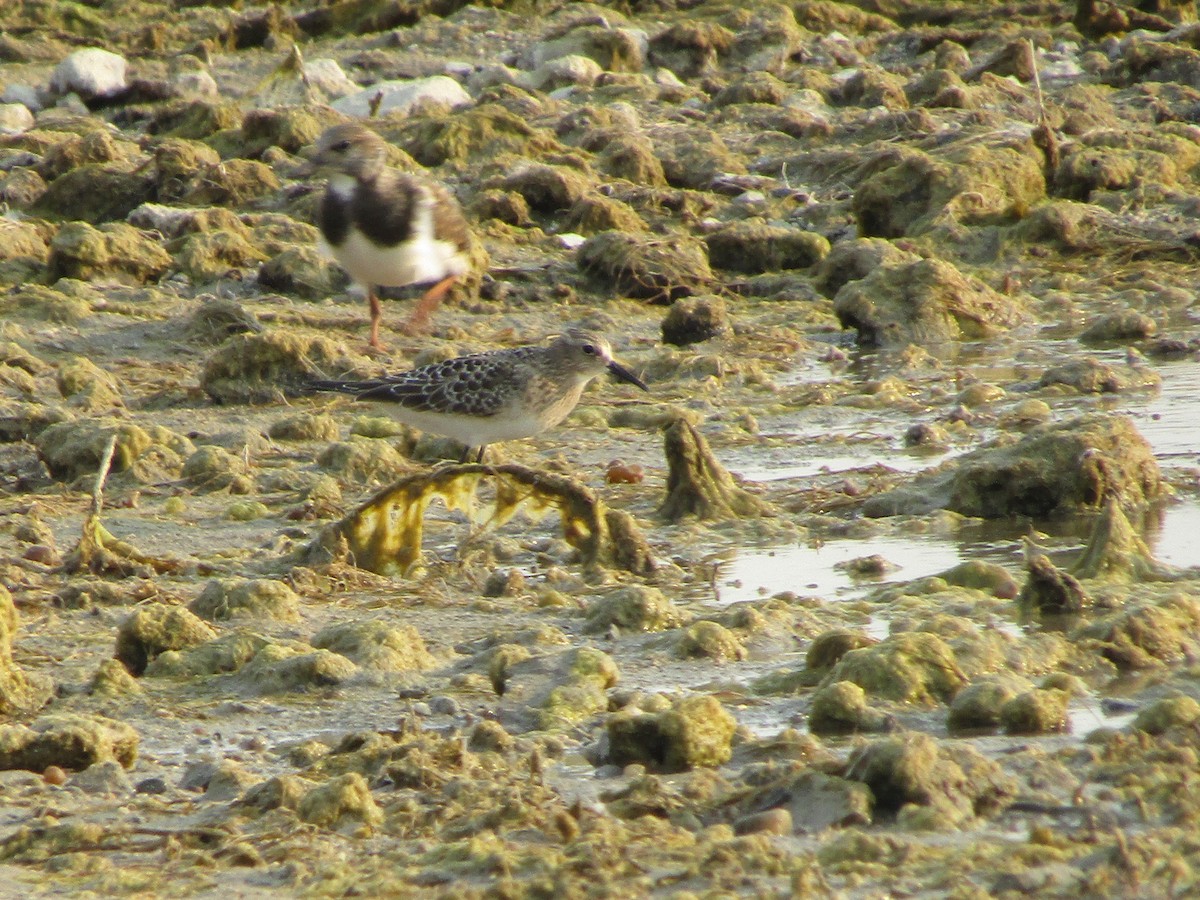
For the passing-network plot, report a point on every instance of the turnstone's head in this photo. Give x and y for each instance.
(586, 354)
(350, 149)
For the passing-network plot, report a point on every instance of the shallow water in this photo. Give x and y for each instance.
(1165, 418)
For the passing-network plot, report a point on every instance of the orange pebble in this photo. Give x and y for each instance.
(620, 473)
(54, 775)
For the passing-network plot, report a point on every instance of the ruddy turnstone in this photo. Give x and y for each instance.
(387, 228)
(497, 396)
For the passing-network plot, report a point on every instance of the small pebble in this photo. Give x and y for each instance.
(771, 821)
(54, 775)
(151, 786)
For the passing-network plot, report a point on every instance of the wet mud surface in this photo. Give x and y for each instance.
(888, 586)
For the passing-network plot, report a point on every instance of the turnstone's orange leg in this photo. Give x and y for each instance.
(427, 304)
(376, 317)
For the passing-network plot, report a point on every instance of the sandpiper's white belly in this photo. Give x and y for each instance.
(474, 431)
(417, 261)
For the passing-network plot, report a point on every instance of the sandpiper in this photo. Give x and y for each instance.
(497, 396)
(387, 228)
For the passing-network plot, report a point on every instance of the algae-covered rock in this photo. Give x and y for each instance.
(691, 320)
(305, 427)
(1146, 633)
(695, 731)
(910, 667)
(594, 213)
(1040, 711)
(978, 705)
(115, 251)
(852, 260)
(86, 386)
(656, 269)
(1168, 713)
(693, 156)
(577, 692)
(255, 368)
(924, 302)
(303, 271)
(216, 320)
(957, 781)
(982, 576)
(153, 629)
(376, 645)
(71, 742)
(279, 792)
(19, 692)
(364, 460)
(227, 653)
(91, 194)
(347, 797)
(1061, 468)
(710, 640)
(841, 708)
(215, 469)
(546, 188)
(1091, 376)
(258, 599)
(972, 182)
(228, 783)
(634, 608)
(1121, 326)
(829, 647)
(112, 679)
(277, 668)
(484, 131)
(754, 246)
(699, 485)
(208, 256)
(72, 449)
(233, 182)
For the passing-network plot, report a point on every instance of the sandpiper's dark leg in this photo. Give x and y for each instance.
(427, 304)
(376, 317)
(479, 455)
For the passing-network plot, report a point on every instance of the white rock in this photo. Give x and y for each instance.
(91, 73)
(563, 72)
(15, 117)
(197, 83)
(402, 96)
(169, 221)
(327, 76)
(491, 75)
(571, 241)
(458, 68)
(22, 93)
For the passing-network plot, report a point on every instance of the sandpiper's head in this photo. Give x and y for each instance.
(587, 355)
(350, 149)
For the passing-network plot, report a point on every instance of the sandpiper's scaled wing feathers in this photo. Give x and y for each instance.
(497, 396)
(478, 385)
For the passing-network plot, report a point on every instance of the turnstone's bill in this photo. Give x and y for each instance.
(387, 228)
(498, 396)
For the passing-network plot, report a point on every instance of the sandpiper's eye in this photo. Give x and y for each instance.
(589, 349)
(341, 146)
